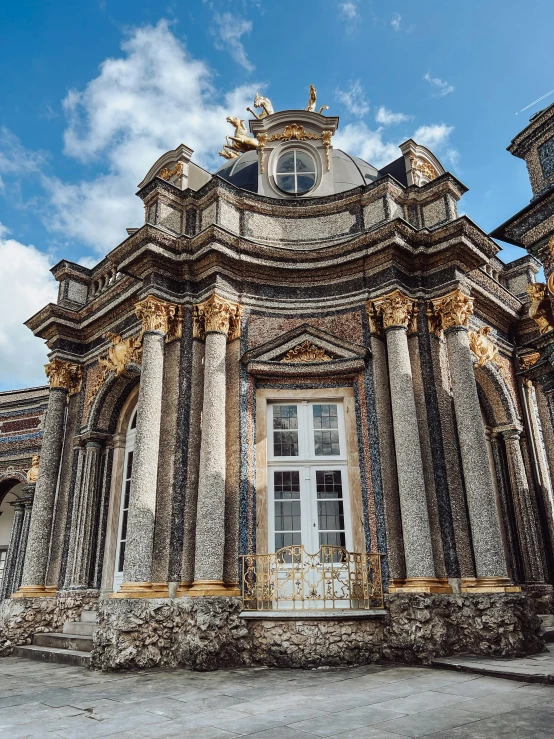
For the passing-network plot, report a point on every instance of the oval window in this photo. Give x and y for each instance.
(295, 172)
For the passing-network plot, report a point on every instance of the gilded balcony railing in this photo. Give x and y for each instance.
(332, 578)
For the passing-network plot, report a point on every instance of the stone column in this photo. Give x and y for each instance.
(218, 320)
(451, 315)
(528, 527)
(397, 312)
(157, 318)
(27, 499)
(545, 408)
(83, 519)
(64, 378)
(13, 550)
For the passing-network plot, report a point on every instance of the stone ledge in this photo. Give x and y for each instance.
(339, 614)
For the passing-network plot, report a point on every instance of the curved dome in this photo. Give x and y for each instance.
(348, 171)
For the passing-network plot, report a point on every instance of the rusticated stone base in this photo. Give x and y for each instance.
(202, 633)
(208, 633)
(23, 617)
(543, 596)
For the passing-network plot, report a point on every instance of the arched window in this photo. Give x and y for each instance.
(124, 509)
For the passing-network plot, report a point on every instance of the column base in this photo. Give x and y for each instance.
(420, 585)
(183, 589)
(488, 585)
(35, 591)
(213, 587)
(142, 590)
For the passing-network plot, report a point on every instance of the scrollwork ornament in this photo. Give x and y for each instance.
(395, 308)
(306, 352)
(450, 311)
(540, 309)
(482, 347)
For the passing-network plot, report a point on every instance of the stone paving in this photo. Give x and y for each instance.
(538, 668)
(39, 700)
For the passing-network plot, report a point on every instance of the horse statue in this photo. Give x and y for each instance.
(240, 142)
(312, 101)
(264, 104)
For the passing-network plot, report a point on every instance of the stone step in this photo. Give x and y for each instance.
(50, 654)
(73, 642)
(89, 617)
(547, 619)
(82, 628)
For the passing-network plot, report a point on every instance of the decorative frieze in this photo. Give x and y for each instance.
(216, 315)
(450, 311)
(482, 347)
(65, 375)
(395, 310)
(306, 352)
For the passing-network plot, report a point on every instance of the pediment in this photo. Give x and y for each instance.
(306, 349)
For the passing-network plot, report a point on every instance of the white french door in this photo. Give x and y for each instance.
(307, 476)
(124, 506)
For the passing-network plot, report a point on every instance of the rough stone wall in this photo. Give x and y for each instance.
(208, 633)
(202, 633)
(21, 618)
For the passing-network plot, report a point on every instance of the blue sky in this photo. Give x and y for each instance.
(91, 93)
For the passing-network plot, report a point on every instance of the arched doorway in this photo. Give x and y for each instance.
(10, 493)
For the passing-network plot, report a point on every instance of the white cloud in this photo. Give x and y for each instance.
(349, 10)
(395, 22)
(15, 159)
(26, 286)
(440, 87)
(354, 99)
(359, 140)
(149, 100)
(230, 30)
(436, 138)
(388, 118)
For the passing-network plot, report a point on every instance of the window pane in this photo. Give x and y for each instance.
(332, 538)
(285, 443)
(304, 162)
(287, 515)
(286, 162)
(286, 485)
(121, 559)
(285, 417)
(328, 484)
(304, 182)
(286, 183)
(326, 443)
(124, 525)
(287, 540)
(129, 465)
(330, 515)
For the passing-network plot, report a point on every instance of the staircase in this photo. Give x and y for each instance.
(71, 647)
(548, 626)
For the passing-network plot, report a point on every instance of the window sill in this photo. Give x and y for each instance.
(342, 614)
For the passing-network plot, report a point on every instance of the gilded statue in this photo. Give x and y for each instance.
(264, 104)
(312, 101)
(240, 142)
(540, 309)
(482, 347)
(32, 474)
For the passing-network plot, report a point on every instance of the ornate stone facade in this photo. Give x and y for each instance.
(263, 374)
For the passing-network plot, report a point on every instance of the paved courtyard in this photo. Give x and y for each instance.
(38, 700)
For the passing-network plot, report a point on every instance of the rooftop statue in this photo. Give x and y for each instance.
(264, 104)
(240, 142)
(312, 101)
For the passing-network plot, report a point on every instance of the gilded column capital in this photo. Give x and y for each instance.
(482, 346)
(65, 375)
(395, 310)
(156, 315)
(216, 315)
(540, 309)
(449, 311)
